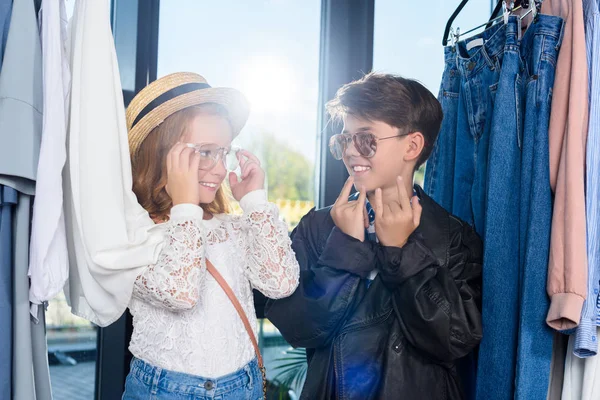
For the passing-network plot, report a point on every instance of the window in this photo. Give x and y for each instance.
(71, 352)
(408, 38)
(124, 24)
(270, 51)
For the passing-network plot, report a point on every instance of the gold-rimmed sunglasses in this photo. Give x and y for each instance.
(365, 143)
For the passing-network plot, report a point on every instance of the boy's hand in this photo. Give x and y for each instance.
(349, 216)
(396, 221)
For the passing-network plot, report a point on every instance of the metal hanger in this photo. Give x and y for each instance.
(532, 7)
(462, 5)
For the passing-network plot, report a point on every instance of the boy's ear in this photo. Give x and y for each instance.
(415, 145)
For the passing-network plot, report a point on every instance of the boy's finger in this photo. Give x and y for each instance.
(395, 207)
(345, 193)
(362, 198)
(388, 210)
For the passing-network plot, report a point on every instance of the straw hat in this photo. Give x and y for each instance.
(172, 93)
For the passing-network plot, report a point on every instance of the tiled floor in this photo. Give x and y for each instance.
(73, 382)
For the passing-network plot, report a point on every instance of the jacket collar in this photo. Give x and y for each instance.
(434, 228)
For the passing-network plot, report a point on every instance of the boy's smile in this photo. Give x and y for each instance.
(359, 169)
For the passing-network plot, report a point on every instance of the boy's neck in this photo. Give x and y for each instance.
(390, 193)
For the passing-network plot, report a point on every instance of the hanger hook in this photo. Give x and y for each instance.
(505, 11)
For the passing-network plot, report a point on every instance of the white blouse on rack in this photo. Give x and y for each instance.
(183, 320)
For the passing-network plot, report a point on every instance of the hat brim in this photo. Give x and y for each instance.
(231, 99)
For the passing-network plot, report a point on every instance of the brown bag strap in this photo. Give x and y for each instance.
(221, 281)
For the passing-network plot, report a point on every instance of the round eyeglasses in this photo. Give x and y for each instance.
(211, 153)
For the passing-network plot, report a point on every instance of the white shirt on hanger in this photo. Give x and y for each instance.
(110, 237)
(48, 258)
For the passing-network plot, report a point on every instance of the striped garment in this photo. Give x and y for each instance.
(586, 340)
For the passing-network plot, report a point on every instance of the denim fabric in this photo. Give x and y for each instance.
(455, 175)
(8, 201)
(500, 310)
(457, 169)
(539, 52)
(439, 170)
(146, 382)
(586, 339)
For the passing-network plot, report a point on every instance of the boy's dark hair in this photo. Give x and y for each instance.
(402, 103)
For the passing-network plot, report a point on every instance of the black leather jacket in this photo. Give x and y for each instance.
(401, 338)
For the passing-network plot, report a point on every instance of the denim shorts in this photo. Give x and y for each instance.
(146, 382)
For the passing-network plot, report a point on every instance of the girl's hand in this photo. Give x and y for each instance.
(252, 178)
(182, 175)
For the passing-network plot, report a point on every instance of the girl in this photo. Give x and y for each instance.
(188, 340)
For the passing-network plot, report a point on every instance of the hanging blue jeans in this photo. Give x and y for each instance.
(439, 171)
(539, 51)
(500, 311)
(457, 169)
(516, 349)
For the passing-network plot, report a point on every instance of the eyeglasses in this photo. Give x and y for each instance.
(211, 153)
(365, 143)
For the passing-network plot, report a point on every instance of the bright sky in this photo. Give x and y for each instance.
(268, 49)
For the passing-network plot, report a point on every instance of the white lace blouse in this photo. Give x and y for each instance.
(182, 319)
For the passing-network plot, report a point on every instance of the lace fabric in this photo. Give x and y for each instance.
(183, 321)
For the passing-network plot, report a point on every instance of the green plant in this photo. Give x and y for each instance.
(291, 370)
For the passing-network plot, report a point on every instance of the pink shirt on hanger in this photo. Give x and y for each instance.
(567, 269)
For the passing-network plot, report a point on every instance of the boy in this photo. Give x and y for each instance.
(388, 300)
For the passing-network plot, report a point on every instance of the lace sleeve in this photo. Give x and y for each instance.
(174, 281)
(271, 263)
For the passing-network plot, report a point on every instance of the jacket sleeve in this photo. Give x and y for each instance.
(312, 315)
(438, 307)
